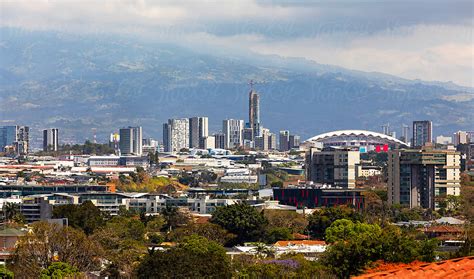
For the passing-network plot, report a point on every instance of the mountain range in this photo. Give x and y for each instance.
(80, 82)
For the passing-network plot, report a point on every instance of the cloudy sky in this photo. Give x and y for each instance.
(429, 40)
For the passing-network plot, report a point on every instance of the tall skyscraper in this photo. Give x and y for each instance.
(262, 142)
(272, 141)
(461, 137)
(294, 141)
(198, 130)
(50, 139)
(422, 133)
(405, 134)
(176, 134)
(284, 140)
(131, 141)
(233, 131)
(16, 137)
(416, 178)
(254, 112)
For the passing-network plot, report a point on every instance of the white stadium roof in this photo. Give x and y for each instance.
(356, 134)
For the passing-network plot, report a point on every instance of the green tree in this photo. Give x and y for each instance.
(292, 220)
(5, 273)
(174, 217)
(196, 257)
(122, 238)
(208, 230)
(242, 220)
(85, 216)
(47, 243)
(58, 270)
(344, 229)
(322, 219)
(273, 235)
(10, 210)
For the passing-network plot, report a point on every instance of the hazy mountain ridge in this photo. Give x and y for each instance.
(80, 82)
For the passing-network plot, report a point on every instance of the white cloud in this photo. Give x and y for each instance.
(430, 41)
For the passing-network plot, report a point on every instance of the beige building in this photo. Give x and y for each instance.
(417, 178)
(334, 166)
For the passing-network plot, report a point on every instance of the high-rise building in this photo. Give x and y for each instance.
(233, 130)
(333, 166)
(131, 141)
(176, 134)
(422, 133)
(294, 141)
(16, 137)
(284, 141)
(219, 139)
(8, 135)
(272, 141)
(461, 137)
(405, 134)
(50, 139)
(254, 113)
(198, 129)
(261, 142)
(248, 134)
(417, 178)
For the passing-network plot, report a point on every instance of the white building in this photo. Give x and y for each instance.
(131, 141)
(208, 142)
(443, 140)
(176, 135)
(233, 131)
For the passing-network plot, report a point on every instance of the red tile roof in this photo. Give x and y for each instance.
(443, 229)
(283, 243)
(453, 269)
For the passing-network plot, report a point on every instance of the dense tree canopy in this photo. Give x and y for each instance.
(195, 257)
(85, 216)
(242, 220)
(48, 243)
(321, 219)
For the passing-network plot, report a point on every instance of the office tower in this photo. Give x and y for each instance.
(50, 139)
(333, 166)
(294, 141)
(254, 113)
(176, 134)
(461, 137)
(416, 178)
(208, 142)
(386, 129)
(422, 133)
(233, 131)
(272, 142)
(284, 141)
(248, 134)
(131, 141)
(261, 142)
(16, 137)
(198, 129)
(219, 139)
(8, 135)
(405, 134)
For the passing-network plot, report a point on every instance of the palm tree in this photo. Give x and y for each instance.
(10, 210)
(263, 250)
